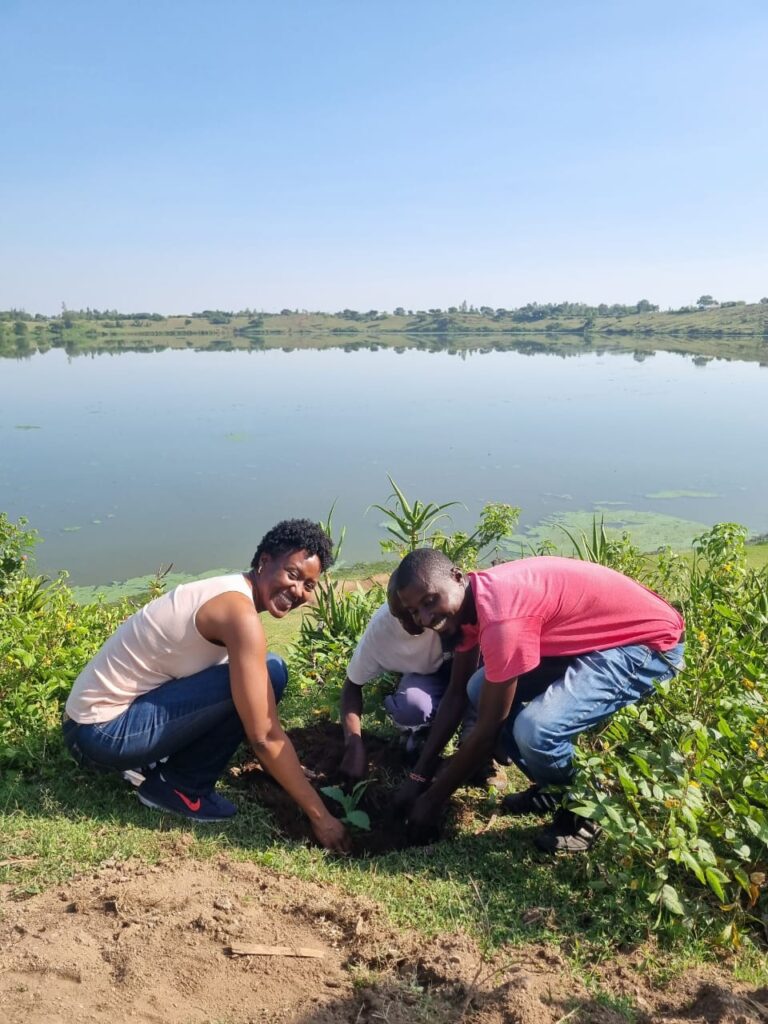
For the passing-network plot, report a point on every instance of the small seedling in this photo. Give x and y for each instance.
(348, 801)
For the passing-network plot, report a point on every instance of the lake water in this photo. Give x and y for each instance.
(124, 462)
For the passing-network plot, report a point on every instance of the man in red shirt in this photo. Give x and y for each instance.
(618, 639)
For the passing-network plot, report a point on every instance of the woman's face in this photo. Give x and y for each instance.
(284, 582)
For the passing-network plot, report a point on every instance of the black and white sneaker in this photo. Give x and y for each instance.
(568, 833)
(134, 775)
(533, 800)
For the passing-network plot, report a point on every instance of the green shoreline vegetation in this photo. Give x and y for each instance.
(707, 330)
(679, 783)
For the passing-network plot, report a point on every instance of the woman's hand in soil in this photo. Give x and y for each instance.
(332, 835)
(354, 764)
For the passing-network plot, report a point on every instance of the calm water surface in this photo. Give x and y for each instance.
(123, 462)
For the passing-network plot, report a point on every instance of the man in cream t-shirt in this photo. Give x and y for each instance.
(388, 645)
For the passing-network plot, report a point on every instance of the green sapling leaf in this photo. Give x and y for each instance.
(335, 793)
(359, 819)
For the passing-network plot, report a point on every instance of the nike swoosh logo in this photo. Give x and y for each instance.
(193, 805)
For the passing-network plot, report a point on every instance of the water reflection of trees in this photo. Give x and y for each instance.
(22, 339)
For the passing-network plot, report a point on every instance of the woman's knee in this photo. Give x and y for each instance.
(278, 675)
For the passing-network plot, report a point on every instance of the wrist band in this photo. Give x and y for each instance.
(415, 777)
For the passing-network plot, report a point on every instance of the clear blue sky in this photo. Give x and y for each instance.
(175, 155)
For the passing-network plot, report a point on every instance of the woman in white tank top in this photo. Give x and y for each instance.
(188, 677)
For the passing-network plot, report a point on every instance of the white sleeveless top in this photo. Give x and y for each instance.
(157, 643)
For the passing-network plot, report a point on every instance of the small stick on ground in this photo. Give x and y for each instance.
(298, 951)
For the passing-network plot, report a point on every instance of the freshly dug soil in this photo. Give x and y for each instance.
(135, 944)
(320, 748)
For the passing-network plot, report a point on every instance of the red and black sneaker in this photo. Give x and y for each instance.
(158, 793)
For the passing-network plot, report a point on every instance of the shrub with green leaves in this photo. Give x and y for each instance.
(680, 781)
(45, 640)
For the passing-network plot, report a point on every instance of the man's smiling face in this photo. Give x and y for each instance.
(436, 601)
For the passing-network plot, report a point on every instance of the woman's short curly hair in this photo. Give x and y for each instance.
(296, 535)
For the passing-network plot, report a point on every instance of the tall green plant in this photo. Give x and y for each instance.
(411, 524)
(417, 524)
(604, 549)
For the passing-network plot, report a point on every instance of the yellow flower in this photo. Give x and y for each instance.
(694, 783)
(753, 744)
(748, 683)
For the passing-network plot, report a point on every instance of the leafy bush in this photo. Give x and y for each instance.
(45, 639)
(680, 782)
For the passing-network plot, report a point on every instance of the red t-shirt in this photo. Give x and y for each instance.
(547, 607)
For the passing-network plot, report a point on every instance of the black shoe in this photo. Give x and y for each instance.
(568, 833)
(533, 800)
(489, 774)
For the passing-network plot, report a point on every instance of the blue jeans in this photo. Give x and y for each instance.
(546, 716)
(192, 722)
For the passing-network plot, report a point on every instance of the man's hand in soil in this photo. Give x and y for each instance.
(424, 819)
(407, 794)
(354, 764)
(331, 834)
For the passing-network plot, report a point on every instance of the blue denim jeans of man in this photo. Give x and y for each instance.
(191, 722)
(546, 717)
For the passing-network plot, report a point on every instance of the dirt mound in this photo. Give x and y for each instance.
(320, 748)
(152, 944)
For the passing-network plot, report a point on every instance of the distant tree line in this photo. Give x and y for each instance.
(528, 313)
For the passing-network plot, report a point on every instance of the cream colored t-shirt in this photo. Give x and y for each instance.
(157, 643)
(386, 647)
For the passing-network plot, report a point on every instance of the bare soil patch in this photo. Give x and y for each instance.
(320, 748)
(134, 943)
